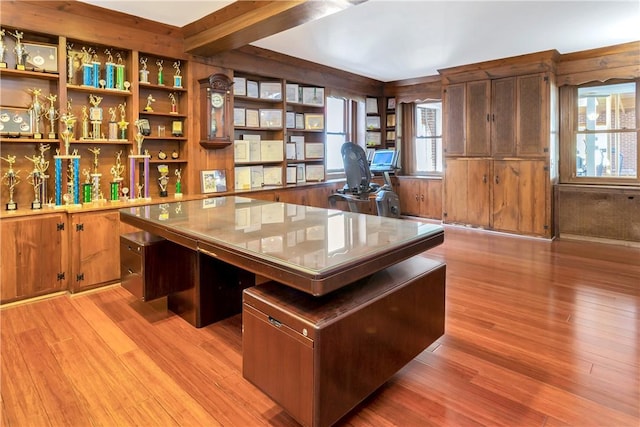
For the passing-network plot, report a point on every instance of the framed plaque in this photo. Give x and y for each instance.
(15, 121)
(271, 119)
(313, 121)
(313, 96)
(42, 57)
(271, 90)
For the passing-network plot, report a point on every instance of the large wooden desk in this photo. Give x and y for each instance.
(234, 239)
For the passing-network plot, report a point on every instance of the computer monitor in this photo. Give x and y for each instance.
(383, 161)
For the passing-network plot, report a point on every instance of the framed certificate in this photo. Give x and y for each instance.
(271, 90)
(313, 96)
(240, 86)
(271, 119)
(313, 121)
(314, 150)
(239, 118)
(315, 173)
(252, 118)
(373, 122)
(252, 89)
(292, 93)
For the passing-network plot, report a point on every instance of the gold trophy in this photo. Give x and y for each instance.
(116, 173)
(160, 76)
(144, 73)
(85, 123)
(163, 180)
(3, 49)
(52, 115)
(178, 174)
(177, 78)
(113, 125)
(96, 193)
(150, 99)
(36, 112)
(36, 179)
(20, 51)
(174, 103)
(11, 179)
(95, 114)
(123, 124)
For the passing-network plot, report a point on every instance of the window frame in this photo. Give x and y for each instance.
(569, 136)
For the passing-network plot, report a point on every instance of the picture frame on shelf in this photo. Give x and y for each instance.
(391, 135)
(371, 106)
(373, 138)
(313, 121)
(42, 57)
(252, 89)
(299, 121)
(239, 117)
(290, 120)
(314, 150)
(292, 93)
(240, 86)
(373, 122)
(16, 121)
(313, 96)
(252, 118)
(270, 118)
(391, 104)
(271, 90)
(391, 120)
(213, 181)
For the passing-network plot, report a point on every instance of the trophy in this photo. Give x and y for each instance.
(71, 58)
(95, 114)
(116, 173)
(69, 121)
(174, 103)
(119, 72)
(95, 64)
(139, 136)
(43, 166)
(36, 179)
(36, 112)
(86, 186)
(20, 51)
(163, 180)
(11, 179)
(150, 99)
(144, 73)
(160, 77)
(109, 71)
(178, 174)
(72, 184)
(133, 163)
(52, 114)
(113, 125)
(3, 49)
(177, 78)
(87, 67)
(96, 194)
(123, 124)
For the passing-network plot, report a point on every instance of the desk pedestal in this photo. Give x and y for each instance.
(318, 357)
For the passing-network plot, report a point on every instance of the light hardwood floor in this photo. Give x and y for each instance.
(537, 334)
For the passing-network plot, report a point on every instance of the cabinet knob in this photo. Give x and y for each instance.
(497, 179)
(422, 197)
(484, 178)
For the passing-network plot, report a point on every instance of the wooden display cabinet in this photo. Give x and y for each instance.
(34, 256)
(420, 197)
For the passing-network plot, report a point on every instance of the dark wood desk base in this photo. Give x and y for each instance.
(318, 357)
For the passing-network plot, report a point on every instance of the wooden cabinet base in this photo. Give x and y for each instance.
(318, 357)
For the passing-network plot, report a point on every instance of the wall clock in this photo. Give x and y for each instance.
(216, 108)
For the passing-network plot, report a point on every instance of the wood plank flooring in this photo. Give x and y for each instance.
(537, 334)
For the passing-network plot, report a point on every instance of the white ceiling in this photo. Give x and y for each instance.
(391, 40)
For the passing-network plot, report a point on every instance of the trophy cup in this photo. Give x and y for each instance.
(150, 99)
(11, 179)
(87, 67)
(96, 194)
(20, 51)
(71, 58)
(86, 186)
(174, 103)
(36, 179)
(123, 124)
(109, 71)
(69, 121)
(160, 76)
(144, 73)
(178, 174)
(44, 166)
(36, 112)
(85, 123)
(177, 78)
(95, 114)
(116, 172)
(163, 180)
(52, 115)
(95, 64)
(134, 159)
(3, 49)
(113, 125)
(119, 72)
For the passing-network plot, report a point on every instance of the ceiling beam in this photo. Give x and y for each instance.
(244, 22)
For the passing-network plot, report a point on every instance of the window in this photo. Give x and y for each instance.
(336, 133)
(606, 134)
(428, 145)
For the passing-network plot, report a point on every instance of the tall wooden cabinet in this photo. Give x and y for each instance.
(499, 136)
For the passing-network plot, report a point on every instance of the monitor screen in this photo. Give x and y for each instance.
(383, 160)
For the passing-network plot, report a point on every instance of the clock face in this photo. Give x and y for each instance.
(217, 100)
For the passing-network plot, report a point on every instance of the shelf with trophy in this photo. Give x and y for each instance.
(162, 116)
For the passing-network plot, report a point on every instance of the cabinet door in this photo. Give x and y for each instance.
(95, 249)
(503, 117)
(477, 115)
(520, 197)
(532, 115)
(478, 192)
(409, 195)
(431, 198)
(455, 191)
(454, 119)
(34, 256)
